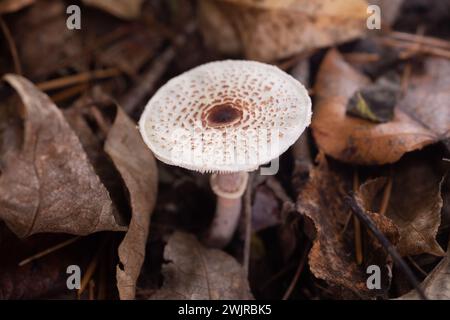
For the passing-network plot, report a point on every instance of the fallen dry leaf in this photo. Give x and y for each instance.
(125, 9)
(331, 258)
(359, 141)
(47, 183)
(137, 166)
(414, 205)
(44, 25)
(341, 8)
(133, 51)
(272, 34)
(437, 284)
(8, 6)
(194, 272)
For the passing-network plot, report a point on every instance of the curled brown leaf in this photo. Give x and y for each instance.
(125, 9)
(332, 255)
(194, 272)
(47, 182)
(271, 33)
(359, 141)
(414, 205)
(137, 166)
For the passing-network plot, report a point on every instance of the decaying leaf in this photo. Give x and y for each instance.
(414, 205)
(47, 183)
(331, 257)
(137, 166)
(212, 16)
(44, 25)
(125, 9)
(375, 102)
(271, 34)
(362, 142)
(133, 51)
(342, 8)
(436, 285)
(194, 272)
(8, 6)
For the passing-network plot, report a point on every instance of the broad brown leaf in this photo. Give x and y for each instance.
(194, 272)
(47, 183)
(43, 25)
(272, 34)
(422, 117)
(331, 257)
(436, 285)
(414, 206)
(343, 8)
(137, 166)
(8, 6)
(125, 9)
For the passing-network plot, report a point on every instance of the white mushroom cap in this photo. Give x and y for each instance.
(225, 116)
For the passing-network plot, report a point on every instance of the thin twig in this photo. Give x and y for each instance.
(100, 120)
(91, 289)
(78, 78)
(277, 275)
(417, 266)
(416, 48)
(424, 40)
(386, 244)
(12, 46)
(357, 224)
(91, 267)
(152, 74)
(386, 196)
(48, 251)
(361, 57)
(297, 274)
(69, 92)
(346, 224)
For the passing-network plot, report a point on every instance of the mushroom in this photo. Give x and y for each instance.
(226, 118)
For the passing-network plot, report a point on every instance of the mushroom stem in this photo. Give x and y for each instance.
(229, 188)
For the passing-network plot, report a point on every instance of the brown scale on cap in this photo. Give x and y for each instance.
(216, 105)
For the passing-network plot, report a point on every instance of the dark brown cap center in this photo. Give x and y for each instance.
(223, 115)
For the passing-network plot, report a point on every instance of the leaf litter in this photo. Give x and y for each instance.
(72, 161)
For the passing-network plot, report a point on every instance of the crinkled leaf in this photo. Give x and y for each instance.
(47, 183)
(137, 166)
(193, 272)
(271, 34)
(414, 206)
(332, 254)
(44, 43)
(436, 285)
(125, 9)
(343, 8)
(8, 6)
(421, 117)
